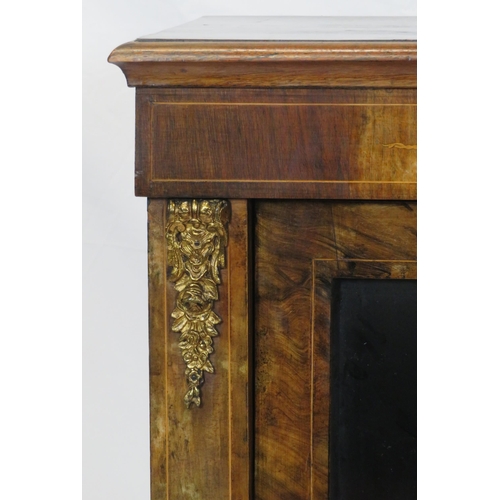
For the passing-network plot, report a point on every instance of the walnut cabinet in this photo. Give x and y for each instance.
(278, 156)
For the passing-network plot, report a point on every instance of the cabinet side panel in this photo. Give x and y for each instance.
(157, 341)
(200, 452)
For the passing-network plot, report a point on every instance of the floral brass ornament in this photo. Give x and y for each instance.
(196, 240)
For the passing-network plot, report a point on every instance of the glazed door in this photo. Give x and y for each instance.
(335, 350)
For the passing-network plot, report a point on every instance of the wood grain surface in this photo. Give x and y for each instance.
(287, 143)
(204, 452)
(301, 246)
(320, 135)
(268, 64)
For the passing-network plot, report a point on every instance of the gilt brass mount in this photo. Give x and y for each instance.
(196, 239)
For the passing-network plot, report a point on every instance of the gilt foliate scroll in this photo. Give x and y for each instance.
(196, 239)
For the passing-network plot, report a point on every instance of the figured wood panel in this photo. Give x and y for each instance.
(204, 452)
(280, 141)
(279, 144)
(300, 247)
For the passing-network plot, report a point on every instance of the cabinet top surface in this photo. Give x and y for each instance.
(275, 52)
(291, 28)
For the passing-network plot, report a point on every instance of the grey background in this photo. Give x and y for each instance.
(115, 350)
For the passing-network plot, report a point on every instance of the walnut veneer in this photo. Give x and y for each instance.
(305, 130)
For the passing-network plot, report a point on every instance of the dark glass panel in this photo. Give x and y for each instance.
(373, 426)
